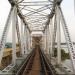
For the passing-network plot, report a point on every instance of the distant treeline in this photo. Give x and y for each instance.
(64, 43)
(63, 54)
(9, 45)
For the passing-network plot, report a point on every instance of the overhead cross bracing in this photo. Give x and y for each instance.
(35, 13)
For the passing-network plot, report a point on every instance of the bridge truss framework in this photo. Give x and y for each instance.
(34, 17)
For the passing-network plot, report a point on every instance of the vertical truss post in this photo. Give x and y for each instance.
(14, 15)
(18, 36)
(48, 34)
(68, 39)
(54, 34)
(58, 37)
(51, 37)
(4, 35)
(30, 41)
(25, 38)
(43, 43)
(22, 39)
(27, 45)
(46, 39)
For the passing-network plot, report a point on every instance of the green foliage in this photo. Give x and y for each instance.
(55, 52)
(63, 54)
(8, 45)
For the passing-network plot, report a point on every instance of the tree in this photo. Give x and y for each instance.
(63, 54)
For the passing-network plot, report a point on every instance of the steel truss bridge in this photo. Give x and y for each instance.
(37, 23)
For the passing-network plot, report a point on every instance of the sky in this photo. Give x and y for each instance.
(69, 14)
(67, 8)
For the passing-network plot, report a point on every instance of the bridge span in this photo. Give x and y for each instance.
(36, 27)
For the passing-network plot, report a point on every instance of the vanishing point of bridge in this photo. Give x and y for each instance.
(37, 25)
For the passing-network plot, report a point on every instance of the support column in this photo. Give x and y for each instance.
(48, 39)
(45, 41)
(25, 38)
(58, 37)
(22, 39)
(51, 37)
(28, 41)
(14, 36)
(18, 36)
(31, 41)
(54, 35)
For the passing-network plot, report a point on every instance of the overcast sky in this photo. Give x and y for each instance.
(67, 7)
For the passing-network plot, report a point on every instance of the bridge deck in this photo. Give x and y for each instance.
(37, 65)
(33, 67)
